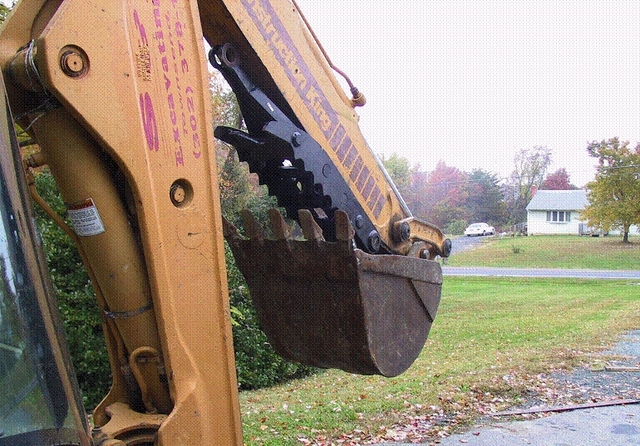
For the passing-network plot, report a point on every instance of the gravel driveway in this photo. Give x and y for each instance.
(609, 379)
(613, 375)
(461, 244)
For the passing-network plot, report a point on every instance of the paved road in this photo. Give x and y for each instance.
(604, 426)
(542, 272)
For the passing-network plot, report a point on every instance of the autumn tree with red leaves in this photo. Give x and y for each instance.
(445, 195)
(559, 180)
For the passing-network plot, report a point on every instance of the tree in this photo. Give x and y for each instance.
(559, 180)
(416, 198)
(530, 168)
(4, 11)
(400, 172)
(409, 181)
(486, 201)
(614, 196)
(445, 195)
(224, 105)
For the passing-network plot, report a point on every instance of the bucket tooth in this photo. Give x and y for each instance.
(344, 230)
(251, 226)
(310, 228)
(281, 230)
(229, 230)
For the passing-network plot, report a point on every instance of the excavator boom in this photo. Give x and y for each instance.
(115, 93)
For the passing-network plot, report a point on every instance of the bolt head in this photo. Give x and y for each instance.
(374, 241)
(178, 194)
(295, 139)
(74, 62)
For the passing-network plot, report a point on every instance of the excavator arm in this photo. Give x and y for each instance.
(115, 94)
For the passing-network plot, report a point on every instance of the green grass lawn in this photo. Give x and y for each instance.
(490, 339)
(562, 251)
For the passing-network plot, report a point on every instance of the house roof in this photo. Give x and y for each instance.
(558, 200)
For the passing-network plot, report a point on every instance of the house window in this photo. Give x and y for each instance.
(558, 216)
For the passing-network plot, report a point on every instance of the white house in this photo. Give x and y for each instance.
(556, 211)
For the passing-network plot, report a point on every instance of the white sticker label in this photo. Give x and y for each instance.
(85, 218)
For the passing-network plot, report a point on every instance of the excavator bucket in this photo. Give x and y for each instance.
(330, 305)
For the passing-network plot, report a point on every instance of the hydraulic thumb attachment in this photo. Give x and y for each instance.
(330, 305)
(299, 171)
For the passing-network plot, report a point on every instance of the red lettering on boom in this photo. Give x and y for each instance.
(171, 55)
(141, 30)
(193, 121)
(149, 122)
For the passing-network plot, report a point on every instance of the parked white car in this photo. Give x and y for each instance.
(479, 229)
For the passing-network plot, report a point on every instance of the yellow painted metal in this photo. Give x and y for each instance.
(114, 257)
(132, 80)
(129, 137)
(38, 283)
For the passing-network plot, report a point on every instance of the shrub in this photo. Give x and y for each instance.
(456, 227)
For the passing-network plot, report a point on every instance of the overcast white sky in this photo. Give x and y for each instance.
(471, 82)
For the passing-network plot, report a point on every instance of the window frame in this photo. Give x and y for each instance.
(558, 217)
